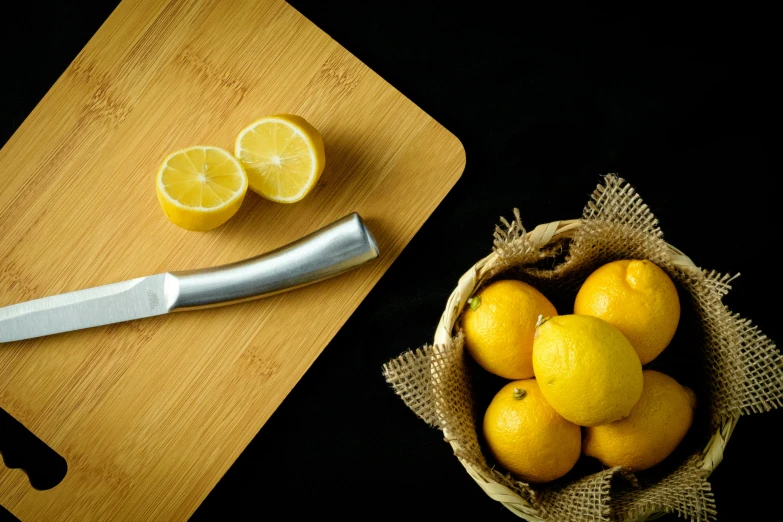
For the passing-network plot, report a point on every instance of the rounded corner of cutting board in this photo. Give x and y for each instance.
(461, 154)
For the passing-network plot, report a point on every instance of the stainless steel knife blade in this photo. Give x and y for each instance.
(134, 299)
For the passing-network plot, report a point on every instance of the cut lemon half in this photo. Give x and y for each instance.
(200, 188)
(283, 156)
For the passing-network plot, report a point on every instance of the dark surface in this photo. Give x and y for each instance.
(21, 449)
(683, 106)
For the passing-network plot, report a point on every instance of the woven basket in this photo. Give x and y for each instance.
(541, 236)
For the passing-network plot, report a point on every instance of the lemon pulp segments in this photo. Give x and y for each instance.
(200, 188)
(283, 156)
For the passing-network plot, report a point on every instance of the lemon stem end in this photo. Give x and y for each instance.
(519, 393)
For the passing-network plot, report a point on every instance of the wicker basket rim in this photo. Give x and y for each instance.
(538, 237)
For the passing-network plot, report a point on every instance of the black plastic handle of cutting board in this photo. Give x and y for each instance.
(20, 448)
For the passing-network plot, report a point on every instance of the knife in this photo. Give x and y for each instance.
(332, 250)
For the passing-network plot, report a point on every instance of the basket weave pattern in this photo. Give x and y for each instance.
(744, 369)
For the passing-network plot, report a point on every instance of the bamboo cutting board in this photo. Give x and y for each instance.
(150, 414)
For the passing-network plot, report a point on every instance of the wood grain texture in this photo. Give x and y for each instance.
(150, 414)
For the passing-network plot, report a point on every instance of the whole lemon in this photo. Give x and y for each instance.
(499, 327)
(587, 369)
(528, 437)
(656, 425)
(638, 298)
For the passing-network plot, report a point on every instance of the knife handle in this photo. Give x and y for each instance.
(329, 251)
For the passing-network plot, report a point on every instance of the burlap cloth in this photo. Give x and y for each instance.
(733, 367)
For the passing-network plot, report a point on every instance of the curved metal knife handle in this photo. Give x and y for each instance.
(332, 250)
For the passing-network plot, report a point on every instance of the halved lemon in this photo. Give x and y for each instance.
(283, 156)
(200, 188)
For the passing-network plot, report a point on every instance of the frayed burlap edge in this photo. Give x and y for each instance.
(745, 368)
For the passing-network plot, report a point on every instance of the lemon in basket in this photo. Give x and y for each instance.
(638, 298)
(283, 156)
(529, 438)
(499, 324)
(200, 188)
(587, 369)
(656, 425)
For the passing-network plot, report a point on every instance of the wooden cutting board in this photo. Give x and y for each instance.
(150, 414)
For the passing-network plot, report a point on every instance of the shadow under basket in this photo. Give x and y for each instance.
(732, 366)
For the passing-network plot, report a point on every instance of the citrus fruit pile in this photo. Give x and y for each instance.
(579, 387)
(279, 157)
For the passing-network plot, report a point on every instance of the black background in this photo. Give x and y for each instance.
(682, 105)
